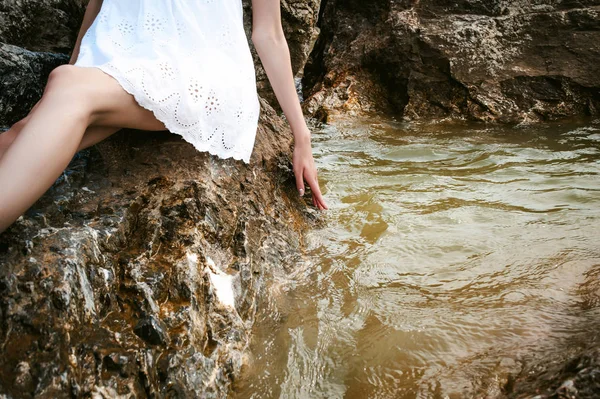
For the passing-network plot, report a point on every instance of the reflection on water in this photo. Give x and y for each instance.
(449, 252)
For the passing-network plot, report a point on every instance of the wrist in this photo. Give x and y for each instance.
(302, 136)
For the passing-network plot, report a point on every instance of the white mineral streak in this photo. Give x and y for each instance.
(84, 244)
(86, 287)
(222, 283)
(142, 285)
(192, 264)
(197, 317)
(147, 292)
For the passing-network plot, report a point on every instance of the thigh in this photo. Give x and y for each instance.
(112, 106)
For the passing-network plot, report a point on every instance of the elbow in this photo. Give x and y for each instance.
(266, 37)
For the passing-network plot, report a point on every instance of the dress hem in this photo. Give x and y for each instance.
(130, 90)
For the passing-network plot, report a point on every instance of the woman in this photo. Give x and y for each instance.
(181, 65)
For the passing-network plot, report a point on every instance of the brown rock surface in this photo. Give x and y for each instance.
(482, 60)
(138, 272)
(110, 283)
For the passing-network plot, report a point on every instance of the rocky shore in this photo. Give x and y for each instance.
(139, 272)
(493, 60)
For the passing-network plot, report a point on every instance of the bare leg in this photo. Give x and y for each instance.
(92, 135)
(75, 98)
(7, 138)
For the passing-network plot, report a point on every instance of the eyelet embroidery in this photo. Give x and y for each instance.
(196, 91)
(154, 24)
(227, 139)
(126, 28)
(166, 70)
(212, 104)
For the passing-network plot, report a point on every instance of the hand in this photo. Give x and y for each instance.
(305, 169)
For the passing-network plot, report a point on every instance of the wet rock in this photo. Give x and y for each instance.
(118, 249)
(576, 378)
(127, 235)
(486, 61)
(568, 367)
(152, 330)
(23, 378)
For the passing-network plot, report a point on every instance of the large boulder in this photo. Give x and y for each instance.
(482, 60)
(138, 273)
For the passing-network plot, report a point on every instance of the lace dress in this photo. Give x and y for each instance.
(188, 61)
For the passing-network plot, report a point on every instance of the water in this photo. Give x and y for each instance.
(451, 253)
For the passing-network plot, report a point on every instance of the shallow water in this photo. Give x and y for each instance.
(451, 253)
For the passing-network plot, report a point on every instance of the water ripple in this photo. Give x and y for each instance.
(451, 252)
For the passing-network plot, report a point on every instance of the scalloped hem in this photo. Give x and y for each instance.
(131, 90)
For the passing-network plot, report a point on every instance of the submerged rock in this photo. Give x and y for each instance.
(480, 60)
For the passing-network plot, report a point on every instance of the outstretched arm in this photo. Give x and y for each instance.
(272, 48)
(93, 8)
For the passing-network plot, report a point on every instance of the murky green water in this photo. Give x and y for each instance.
(451, 252)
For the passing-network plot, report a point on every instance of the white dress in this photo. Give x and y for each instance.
(188, 61)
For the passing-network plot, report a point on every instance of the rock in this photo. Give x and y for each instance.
(480, 60)
(41, 25)
(24, 74)
(569, 366)
(152, 330)
(118, 249)
(578, 377)
(125, 236)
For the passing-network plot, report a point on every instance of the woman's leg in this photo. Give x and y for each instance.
(74, 99)
(92, 135)
(7, 138)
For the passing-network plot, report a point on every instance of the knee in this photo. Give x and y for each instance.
(62, 74)
(66, 87)
(61, 78)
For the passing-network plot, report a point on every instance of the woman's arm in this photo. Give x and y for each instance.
(91, 11)
(271, 46)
